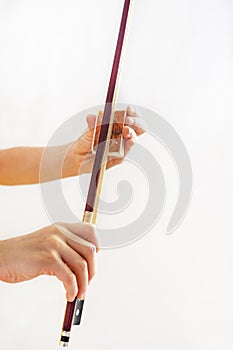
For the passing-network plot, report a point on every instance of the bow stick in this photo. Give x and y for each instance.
(74, 309)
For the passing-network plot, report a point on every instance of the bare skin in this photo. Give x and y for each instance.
(21, 165)
(49, 252)
(67, 251)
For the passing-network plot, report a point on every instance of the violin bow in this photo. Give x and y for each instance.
(74, 309)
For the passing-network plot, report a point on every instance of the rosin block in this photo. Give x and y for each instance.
(116, 146)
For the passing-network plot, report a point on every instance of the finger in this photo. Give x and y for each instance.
(80, 232)
(136, 123)
(84, 248)
(88, 253)
(79, 267)
(91, 120)
(113, 161)
(130, 139)
(128, 145)
(66, 276)
(131, 110)
(81, 272)
(129, 133)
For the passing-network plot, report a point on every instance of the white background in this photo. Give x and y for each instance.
(163, 292)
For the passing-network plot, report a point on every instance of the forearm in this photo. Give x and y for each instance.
(67, 251)
(21, 165)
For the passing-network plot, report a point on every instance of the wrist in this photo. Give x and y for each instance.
(59, 162)
(71, 161)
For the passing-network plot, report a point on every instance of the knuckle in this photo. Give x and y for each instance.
(82, 265)
(52, 257)
(69, 278)
(49, 262)
(90, 229)
(90, 251)
(55, 241)
(90, 234)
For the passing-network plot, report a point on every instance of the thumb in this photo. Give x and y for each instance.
(91, 119)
